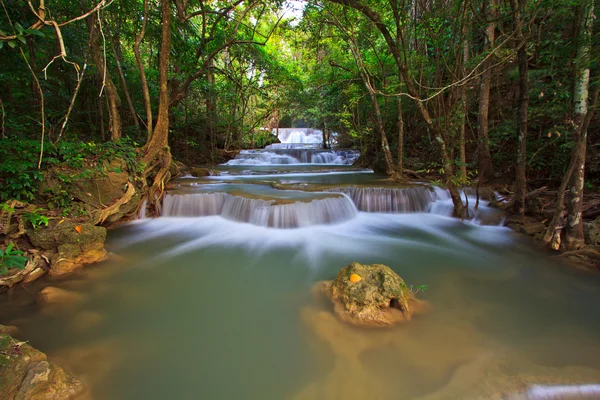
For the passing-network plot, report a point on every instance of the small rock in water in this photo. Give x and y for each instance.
(371, 295)
(55, 296)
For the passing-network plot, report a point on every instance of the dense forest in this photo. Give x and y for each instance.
(473, 91)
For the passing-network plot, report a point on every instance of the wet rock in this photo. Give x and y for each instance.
(55, 296)
(371, 295)
(25, 373)
(200, 172)
(591, 230)
(71, 245)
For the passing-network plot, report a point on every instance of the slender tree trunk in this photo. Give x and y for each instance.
(518, 7)
(486, 169)
(114, 101)
(101, 116)
(574, 231)
(140, 64)
(125, 88)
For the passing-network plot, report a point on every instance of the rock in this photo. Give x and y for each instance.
(591, 230)
(371, 295)
(200, 172)
(71, 245)
(26, 374)
(55, 296)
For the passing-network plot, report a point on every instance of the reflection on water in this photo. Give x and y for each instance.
(210, 308)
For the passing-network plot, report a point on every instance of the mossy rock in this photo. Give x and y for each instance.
(57, 234)
(25, 373)
(71, 244)
(372, 295)
(200, 172)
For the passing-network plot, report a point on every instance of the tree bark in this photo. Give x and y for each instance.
(518, 7)
(486, 169)
(160, 137)
(574, 230)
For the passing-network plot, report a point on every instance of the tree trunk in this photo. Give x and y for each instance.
(114, 101)
(160, 137)
(125, 88)
(140, 64)
(486, 169)
(574, 230)
(522, 109)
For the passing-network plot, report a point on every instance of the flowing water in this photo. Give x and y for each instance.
(213, 300)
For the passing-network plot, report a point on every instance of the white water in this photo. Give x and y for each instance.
(299, 135)
(260, 212)
(298, 146)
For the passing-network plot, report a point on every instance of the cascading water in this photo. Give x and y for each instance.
(298, 146)
(328, 210)
(390, 200)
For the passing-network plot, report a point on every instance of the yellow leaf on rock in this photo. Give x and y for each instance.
(355, 278)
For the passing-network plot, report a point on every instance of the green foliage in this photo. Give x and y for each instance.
(36, 219)
(20, 178)
(11, 258)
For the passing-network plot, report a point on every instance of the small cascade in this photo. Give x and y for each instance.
(298, 146)
(328, 210)
(390, 200)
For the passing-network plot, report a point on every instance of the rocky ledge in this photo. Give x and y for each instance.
(26, 374)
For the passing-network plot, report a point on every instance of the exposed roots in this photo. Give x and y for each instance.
(103, 214)
(155, 192)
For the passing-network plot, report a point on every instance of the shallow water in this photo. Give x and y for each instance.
(206, 307)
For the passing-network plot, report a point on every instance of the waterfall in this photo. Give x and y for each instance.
(328, 210)
(298, 146)
(390, 200)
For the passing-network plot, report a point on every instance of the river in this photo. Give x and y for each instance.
(213, 299)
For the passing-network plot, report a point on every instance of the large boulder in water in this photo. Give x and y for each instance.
(371, 295)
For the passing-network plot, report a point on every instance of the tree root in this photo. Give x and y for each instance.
(102, 215)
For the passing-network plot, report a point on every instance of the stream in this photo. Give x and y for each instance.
(213, 299)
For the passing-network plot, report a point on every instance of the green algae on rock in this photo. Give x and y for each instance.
(25, 374)
(371, 295)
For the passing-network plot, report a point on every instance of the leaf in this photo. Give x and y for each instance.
(19, 27)
(35, 32)
(12, 44)
(21, 39)
(1, 44)
(78, 229)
